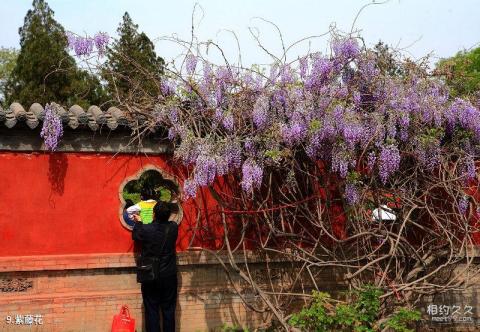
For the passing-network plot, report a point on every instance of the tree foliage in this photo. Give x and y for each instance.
(44, 71)
(8, 59)
(132, 69)
(462, 72)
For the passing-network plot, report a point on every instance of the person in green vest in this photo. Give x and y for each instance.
(143, 210)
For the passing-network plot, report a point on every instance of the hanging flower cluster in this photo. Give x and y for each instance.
(84, 46)
(52, 128)
(340, 108)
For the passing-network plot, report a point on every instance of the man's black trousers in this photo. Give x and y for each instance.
(160, 295)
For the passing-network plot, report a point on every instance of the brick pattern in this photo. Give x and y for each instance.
(83, 292)
(98, 261)
(65, 262)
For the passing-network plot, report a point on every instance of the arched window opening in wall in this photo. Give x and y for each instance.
(161, 186)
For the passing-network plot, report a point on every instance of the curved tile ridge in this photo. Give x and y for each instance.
(111, 115)
(64, 115)
(79, 113)
(3, 114)
(32, 118)
(97, 114)
(10, 119)
(118, 115)
(18, 111)
(38, 111)
(75, 117)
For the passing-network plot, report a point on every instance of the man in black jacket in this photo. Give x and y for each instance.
(157, 241)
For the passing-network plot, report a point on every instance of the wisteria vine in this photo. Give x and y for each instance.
(338, 108)
(310, 152)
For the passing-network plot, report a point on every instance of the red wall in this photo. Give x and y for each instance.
(68, 203)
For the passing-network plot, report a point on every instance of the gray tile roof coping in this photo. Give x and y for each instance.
(76, 117)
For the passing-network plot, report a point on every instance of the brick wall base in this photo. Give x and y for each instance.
(83, 292)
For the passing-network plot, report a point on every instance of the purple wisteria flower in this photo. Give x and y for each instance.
(260, 112)
(52, 128)
(314, 145)
(465, 114)
(222, 165)
(218, 95)
(341, 161)
(224, 76)
(322, 69)
(218, 116)
(389, 162)
(227, 121)
(353, 133)
(191, 63)
(357, 98)
(84, 46)
(371, 159)
(250, 146)
(368, 69)
(71, 39)
(233, 155)
(468, 169)
(205, 170)
(294, 133)
(101, 40)
(172, 133)
(252, 175)
(207, 72)
(173, 115)
(404, 123)
(273, 74)
(352, 195)
(190, 188)
(463, 205)
(345, 48)
(286, 75)
(207, 80)
(428, 154)
(167, 87)
(303, 66)
(279, 100)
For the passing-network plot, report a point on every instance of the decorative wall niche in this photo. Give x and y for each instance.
(11, 285)
(165, 186)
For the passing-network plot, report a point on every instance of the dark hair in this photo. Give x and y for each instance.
(147, 193)
(128, 203)
(162, 211)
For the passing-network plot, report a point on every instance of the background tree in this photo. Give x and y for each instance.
(44, 71)
(386, 59)
(8, 59)
(132, 69)
(462, 72)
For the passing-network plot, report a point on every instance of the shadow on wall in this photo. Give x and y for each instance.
(207, 287)
(178, 309)
(57, 170)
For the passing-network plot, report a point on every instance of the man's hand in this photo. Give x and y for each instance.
(136, 218)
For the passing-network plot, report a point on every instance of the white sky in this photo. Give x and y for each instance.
(423, 26)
